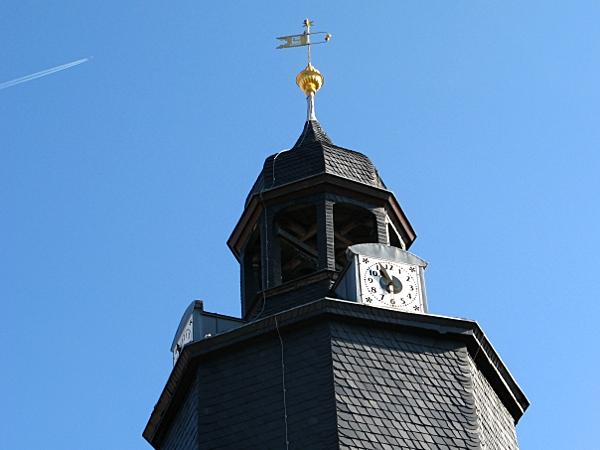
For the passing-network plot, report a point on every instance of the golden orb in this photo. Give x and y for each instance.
(310, 80)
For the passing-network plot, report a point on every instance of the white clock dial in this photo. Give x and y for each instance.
(391, 284)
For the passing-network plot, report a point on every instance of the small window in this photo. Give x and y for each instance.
(296, 229)
(352, 225)
(393, 236)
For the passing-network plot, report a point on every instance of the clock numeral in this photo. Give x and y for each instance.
(408, 278)
(372, 290)
(374, 273)
(412, 288)
(409, 295)
(392, 301)
(370, 280)
(382, 296)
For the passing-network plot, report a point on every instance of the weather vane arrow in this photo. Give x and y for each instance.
(310, 79)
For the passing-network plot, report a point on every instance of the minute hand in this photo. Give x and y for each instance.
(385, 274)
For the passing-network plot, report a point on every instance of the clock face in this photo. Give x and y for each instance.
(391, 284)
(187, 335)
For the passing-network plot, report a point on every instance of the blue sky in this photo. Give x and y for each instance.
(121, 179)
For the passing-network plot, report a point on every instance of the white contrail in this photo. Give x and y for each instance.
(41, 74)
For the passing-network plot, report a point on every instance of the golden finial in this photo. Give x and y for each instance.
(310, 79)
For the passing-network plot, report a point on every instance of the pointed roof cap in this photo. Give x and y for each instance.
(312, 133)
(314, 154)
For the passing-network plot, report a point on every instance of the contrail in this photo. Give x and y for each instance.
(41, 74)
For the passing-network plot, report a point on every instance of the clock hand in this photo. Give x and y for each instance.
(387, 277)
(396, 285)
(385, 274)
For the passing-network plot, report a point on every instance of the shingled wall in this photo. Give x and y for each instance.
(398, 391)
(495, 424)
(183, 432)
(240, 394)
(350, 383)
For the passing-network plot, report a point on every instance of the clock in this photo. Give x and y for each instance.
(390, 284)
(383, 276)
(197, 324)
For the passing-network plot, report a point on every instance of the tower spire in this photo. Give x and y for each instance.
(309, 80)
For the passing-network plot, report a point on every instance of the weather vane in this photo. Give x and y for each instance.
(310, 79)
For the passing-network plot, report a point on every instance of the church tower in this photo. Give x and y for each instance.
(335, 348)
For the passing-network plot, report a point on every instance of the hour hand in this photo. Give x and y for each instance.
(393, 284)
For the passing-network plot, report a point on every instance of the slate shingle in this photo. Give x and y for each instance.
(495, 425)
(314, 154)
(417, 414)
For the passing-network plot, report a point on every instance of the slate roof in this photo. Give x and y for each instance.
(356, 377)
(314, 154)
